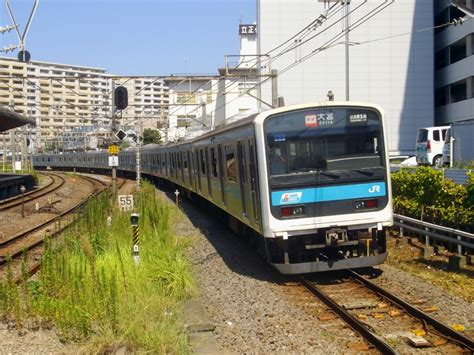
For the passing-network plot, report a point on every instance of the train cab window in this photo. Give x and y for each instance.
(213, 162)
(231, 164)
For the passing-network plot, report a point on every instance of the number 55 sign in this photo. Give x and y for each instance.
(125, 202)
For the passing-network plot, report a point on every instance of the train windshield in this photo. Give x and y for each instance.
(326, 141)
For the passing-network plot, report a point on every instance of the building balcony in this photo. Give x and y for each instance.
(453, 34)
(455, 72)
(457, 111)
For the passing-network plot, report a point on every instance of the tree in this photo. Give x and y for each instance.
(151, 136)
(124, 144)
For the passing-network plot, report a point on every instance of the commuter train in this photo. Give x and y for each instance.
(310, 183)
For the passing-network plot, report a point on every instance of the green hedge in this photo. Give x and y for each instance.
(425, 191)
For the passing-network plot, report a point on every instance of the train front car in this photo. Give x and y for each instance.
(327, 185)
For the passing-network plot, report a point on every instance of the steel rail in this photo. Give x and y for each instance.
(36, 266)
(443, 329)
(40, 226)
(32, 195)
(353, 322)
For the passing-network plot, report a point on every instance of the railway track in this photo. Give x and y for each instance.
(382, 318)
(55, 183)
(32, 239)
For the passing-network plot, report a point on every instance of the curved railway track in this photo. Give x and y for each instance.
(29, 239)
(33, 239)
(380, 316)
(57, 181)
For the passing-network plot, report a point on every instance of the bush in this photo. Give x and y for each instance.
(426, 192)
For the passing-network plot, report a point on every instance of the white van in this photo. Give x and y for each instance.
(429, 145)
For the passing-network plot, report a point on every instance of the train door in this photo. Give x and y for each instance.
(208, 175)
(190, 169)
(243, 181)
(220, 159)
(252, 174)
(196, 170)
(202, 172)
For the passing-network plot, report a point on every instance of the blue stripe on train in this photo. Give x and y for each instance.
(330, 193)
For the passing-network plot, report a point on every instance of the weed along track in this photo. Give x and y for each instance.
(91, 290)
(29, 242)
(388, 323)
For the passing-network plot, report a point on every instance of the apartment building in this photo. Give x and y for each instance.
(148, 101)
(454, 62)
(62, 98)
(59, 97)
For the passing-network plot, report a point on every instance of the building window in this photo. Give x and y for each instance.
(458, 91)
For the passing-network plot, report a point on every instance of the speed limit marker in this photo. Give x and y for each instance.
(125, 202)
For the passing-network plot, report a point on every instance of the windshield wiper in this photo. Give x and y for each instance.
(364, 172)
(331, 175)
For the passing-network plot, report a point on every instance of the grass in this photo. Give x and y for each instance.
(434, 269)
(90, 289)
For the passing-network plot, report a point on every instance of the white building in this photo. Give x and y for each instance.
(454, 63)
(238, 82)
(385, 67)
(192, 101)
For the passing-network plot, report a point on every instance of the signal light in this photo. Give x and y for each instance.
(121, 98)
(428, 145)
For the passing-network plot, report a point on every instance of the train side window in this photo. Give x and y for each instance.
(179, 159)
(213, 162)
(231, 165)
(185, 160)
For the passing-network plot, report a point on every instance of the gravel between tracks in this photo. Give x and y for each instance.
(256, 310)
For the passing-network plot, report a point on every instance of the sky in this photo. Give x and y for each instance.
(134, 37)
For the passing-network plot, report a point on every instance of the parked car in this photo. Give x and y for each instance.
(462, 133)
(429, 145)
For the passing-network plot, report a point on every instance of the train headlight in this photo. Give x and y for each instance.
(293, 211)
(366, 204)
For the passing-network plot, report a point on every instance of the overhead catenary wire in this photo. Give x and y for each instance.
(325, 46)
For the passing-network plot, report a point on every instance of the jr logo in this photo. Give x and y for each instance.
(374, 188)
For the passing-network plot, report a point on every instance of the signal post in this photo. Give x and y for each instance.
(113, 162)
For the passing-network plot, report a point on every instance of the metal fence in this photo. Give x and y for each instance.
(459, 176)
(438, 233)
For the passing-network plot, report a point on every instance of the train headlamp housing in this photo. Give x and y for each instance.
(366, 204)
(292, 211)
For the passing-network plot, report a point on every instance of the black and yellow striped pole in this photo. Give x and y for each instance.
(136, 237)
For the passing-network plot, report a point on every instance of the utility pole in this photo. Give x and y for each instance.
(274, 74)
(139, 143)
(24, 156)
(346, 11)
(12, 141)
(4, 148)
(113, 138)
